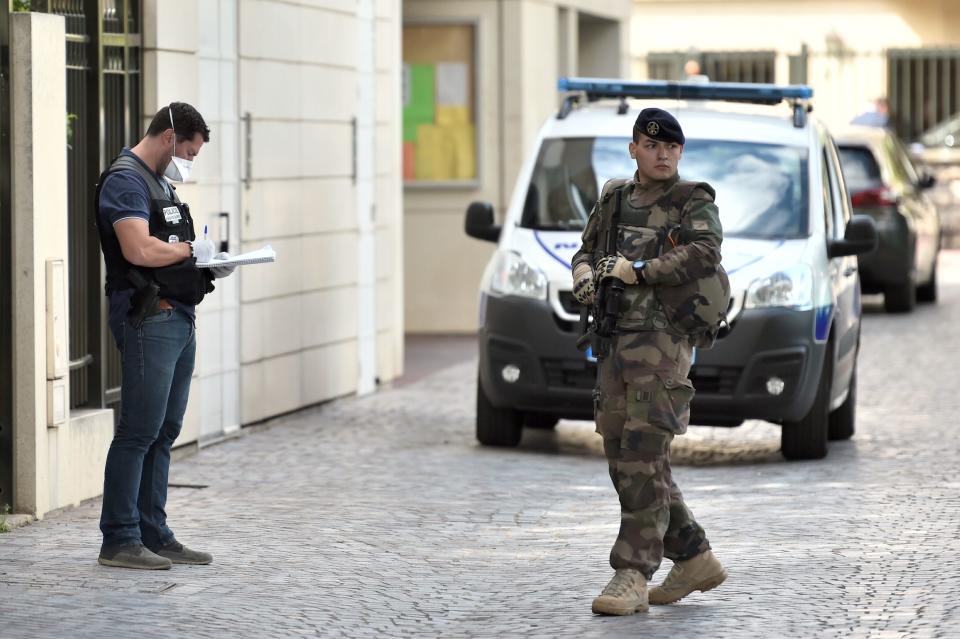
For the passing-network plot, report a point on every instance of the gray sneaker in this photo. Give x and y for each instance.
(180, 554)
(134, 556)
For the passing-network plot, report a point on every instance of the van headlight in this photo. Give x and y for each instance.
(789, 288)
(509, 274)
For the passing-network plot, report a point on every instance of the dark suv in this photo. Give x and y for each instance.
(884, 184)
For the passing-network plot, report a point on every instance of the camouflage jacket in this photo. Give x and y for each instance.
(647, 211)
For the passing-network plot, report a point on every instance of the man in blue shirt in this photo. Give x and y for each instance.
(878, 116)
(153, 283)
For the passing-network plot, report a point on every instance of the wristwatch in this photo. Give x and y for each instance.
(638, 267)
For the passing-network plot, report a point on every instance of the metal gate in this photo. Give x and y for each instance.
(104, 109)
(923, 88)
(739, 66)
(719, 66)
(6, 270)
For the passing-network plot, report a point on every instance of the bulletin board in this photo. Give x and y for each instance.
(439, 104)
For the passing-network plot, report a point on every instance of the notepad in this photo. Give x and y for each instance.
(265, 254)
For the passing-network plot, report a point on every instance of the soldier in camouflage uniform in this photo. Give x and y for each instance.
(643, 394)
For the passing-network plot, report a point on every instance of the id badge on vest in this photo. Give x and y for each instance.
(172, 214)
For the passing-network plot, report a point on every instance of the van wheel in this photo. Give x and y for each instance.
(900, 298)
(541, 421)
(807, 438)
(928, 292)
(497, 426)
(843, 420)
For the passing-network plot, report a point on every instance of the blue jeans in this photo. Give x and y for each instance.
(157, 364)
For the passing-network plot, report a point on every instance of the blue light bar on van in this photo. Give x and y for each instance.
(729, 91)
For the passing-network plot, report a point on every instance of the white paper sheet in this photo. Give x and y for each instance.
(452, 88)
(265, 254)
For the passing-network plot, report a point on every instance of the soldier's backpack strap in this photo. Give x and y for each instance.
(610, 186)
(607, 212)
(686, 190)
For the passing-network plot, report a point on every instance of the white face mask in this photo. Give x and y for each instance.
(178, 169)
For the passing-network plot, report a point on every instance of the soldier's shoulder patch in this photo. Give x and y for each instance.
(700, 225)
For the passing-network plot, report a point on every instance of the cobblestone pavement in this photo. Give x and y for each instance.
(380, 516)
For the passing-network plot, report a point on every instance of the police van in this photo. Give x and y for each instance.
(788, 352)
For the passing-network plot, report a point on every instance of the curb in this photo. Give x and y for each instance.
(16, 521)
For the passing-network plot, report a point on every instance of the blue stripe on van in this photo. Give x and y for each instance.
(536, 235)
(821, 329)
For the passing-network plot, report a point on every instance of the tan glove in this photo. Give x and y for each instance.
(583, 283)
(617, 266)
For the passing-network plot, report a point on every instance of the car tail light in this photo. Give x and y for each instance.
(874, 197)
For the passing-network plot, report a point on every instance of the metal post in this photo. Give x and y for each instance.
(945, 81)
(893, 92)
(93, 10)
(955, 105)
(248, 150)
(918, 97)
(6, 270)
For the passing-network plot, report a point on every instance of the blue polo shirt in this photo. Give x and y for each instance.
(125, 195)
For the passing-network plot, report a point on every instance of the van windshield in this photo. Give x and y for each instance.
(761, 188)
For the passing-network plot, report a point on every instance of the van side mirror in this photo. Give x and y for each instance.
(479, 222)
(859, 238)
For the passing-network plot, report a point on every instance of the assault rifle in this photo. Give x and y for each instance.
(603, 312)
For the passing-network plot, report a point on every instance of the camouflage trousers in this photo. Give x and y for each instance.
(641, 401)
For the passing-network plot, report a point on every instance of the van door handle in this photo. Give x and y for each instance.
(850, 270)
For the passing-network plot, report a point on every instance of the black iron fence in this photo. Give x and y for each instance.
(81, 151)
(103, 115)
(122, 109)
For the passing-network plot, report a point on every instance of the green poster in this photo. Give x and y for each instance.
(420, 80)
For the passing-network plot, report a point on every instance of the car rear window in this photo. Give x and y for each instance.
(762, 189)
(860, 168)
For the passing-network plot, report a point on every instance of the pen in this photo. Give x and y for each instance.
(204, 231)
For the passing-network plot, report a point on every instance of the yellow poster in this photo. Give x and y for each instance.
(434, 153)
(465, 152)
(453, 115)
(446, 152)
(440, 107)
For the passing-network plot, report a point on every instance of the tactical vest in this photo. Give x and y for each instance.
(641, 235)
(170, 221)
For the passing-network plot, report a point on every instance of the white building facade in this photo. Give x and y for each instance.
(303, 102)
